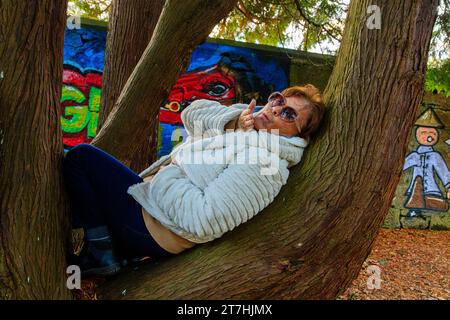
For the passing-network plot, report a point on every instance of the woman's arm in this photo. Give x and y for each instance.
(210, 117)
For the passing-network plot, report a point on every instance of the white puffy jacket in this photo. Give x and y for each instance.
(239, 174)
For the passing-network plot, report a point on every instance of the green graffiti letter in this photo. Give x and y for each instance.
(75, 118)
(80, 118)
(94, 108)
(70, 93)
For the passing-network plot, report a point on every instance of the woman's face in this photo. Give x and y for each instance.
(269, 118)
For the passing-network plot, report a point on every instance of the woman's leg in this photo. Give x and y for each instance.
(97, 184)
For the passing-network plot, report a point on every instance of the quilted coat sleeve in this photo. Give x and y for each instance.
(199, 117)
(237, 194)
(208, 116)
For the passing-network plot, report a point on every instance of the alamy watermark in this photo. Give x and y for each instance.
(234, 147)
(73, 22)
(374, 280)
(374, 20)
(74, 278)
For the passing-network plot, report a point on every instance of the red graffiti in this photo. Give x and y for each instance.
(212, 84)
(73, 77)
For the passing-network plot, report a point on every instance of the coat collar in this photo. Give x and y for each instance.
(287, 148)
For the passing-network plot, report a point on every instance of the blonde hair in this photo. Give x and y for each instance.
(315, 100)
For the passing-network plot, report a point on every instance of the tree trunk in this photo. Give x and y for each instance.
(183, 25)
(311, 242)
(130, 30)
(33, 220)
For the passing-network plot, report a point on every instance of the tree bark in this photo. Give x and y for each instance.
(130, 30)
(311, 242)
(183, 25)
(33, 216)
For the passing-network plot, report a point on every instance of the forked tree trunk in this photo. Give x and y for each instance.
(183, 25)
(34, 229)
(131, 26)
(312, 241)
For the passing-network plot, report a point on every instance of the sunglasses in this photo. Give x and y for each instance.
(288, 114)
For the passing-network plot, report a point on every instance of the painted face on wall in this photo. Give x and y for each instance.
(427, 136)
(211, 84)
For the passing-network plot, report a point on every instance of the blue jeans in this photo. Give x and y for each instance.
(97, 185)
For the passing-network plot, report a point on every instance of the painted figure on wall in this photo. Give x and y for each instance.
(423, 193)
(232, 79)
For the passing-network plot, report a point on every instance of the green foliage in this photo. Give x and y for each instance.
(310, 24)
(438, 78)
(440, 42)
(307, 23)
(94, 9)
(276, 22)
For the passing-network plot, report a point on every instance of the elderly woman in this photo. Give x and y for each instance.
(177, 203)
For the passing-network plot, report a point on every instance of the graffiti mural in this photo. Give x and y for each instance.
(80, 102)
(428, 166)
(224, 73)
(82, 82)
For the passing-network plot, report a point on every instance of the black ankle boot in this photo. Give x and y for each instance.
(97, 258)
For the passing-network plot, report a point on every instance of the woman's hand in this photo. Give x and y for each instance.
(246, 121)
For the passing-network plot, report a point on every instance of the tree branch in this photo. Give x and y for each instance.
(315, 24)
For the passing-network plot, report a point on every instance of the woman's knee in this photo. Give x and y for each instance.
(78, 153)
(83, 149)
